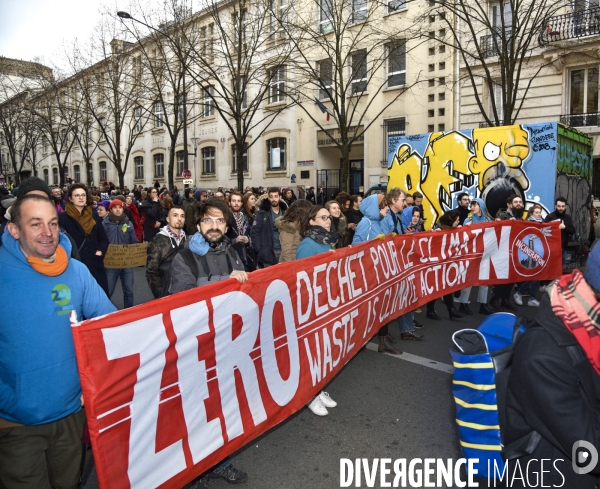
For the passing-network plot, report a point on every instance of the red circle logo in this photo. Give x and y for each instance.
(531, 252)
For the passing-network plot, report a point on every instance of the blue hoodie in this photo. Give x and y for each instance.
(407, 217)
(474, 218)
(39, 381)
(369, 226)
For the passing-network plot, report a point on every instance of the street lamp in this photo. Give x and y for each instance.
(127, 16)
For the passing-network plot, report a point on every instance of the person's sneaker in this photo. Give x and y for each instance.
(327, 401)
(464, 307)
(390, 338)
(543, 288)
(533, 303)
(230, 474)
(411, 335)
(417, 324)
(200, 483)
(317, 407)
(518, 298)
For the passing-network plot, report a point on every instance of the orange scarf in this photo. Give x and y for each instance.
(58, 266)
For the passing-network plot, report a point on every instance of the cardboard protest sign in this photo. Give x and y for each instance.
(126, 256)
(174, 386)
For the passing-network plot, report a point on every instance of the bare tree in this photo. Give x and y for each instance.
(346, 53)
(161, 59)
(234, 59)
(499, 46)
(111, 93)
(54, 116)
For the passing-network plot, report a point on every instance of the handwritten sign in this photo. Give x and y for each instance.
(126, 256)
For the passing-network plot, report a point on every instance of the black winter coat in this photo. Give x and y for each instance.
(87, 246)
(232, 234)
(261, 233)
(567, 231)
(154, 212)
(559, 400)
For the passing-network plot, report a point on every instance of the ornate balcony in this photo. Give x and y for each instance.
(581, 120)
(574, 25)
(490, 47)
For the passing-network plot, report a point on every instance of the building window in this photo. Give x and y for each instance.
(103, 174)
(396, 5)
(277, 15)
(76, 174)
(431, 82)
(90, 173)
(325, 17)
(325, 79)
(430, 113)
(180, 107)
(442, 66)
(496, 96)
(277, 85)
(137, 117)
(441, 127)
(359, 10)
(208, 160)
(441, 96)
(430, 128)
(46, 177)
(240, 27)
(138, 163)
(206, 40)
(359, 71)
(431, 51)
(276, 152)
(432, 98)
(159, 114)
(159, 165)
(442, 49)
(45, 144)
(396, 64)
(54, 176)
(392, 128)
(208, 103)
(583, 91)
(244, 158)
(442, 80)
(442, 33)
(181, 163)
(431, 67)
(101, 128)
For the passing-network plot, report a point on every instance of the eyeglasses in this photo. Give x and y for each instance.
(78, 196)
(208, 221)
(324, 218)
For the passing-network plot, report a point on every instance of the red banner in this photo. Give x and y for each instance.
(174, 386)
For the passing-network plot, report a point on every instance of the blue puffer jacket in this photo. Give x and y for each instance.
(39, 381)
(407, 217)
(370, 225)
(309, 247)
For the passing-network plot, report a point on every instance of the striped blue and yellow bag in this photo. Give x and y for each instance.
(482, 358)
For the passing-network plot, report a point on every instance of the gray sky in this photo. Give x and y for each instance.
(30, 28)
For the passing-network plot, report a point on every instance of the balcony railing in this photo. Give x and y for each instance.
(492, 43)
(581, 120)
(574, 25)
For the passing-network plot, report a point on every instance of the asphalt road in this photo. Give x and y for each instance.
(388, 407)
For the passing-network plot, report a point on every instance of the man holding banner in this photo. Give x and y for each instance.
(41, 415)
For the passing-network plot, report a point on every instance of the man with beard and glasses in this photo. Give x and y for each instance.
(514, 212)
(206, 258)
(238, 227)
(566, 224)
(264, 234)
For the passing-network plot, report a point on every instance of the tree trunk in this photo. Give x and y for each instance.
(345, 169)
(171, 169)
(239, 150)
(121, 174)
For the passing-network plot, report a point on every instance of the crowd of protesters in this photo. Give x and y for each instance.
(202, 236)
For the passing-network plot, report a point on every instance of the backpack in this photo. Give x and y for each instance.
(190, 261)
(483, 360)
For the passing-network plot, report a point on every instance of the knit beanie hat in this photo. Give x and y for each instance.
(592, 268)
(104, 203)
(115, 203)
(33, 183)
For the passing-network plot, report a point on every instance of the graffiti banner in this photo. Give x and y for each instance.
(174, 386)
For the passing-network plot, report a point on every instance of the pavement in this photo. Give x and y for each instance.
(388, 407)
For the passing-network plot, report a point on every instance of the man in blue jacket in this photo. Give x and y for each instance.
(41, 415)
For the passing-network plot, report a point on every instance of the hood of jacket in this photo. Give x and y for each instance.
(12, 246)
(165, 232)
(285, 226)
(370, 207)
(265, 205)
(407, 216)
(483, 218)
